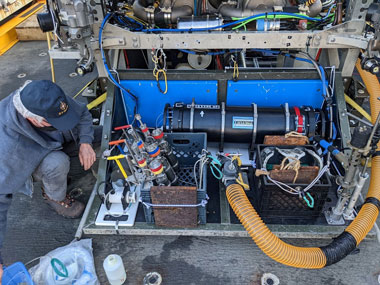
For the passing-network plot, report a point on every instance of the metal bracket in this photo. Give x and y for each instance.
(110, 42)
(349, 41)
(64, 54)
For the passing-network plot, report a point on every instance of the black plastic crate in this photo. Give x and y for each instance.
(277, 206)
(188, 149)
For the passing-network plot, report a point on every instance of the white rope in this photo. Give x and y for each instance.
(292, 190)
(203, 203)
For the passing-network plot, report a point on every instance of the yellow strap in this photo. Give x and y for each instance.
(236, 70)
(357, 107)
(97, 101)
(121, 169)
(236, 157)
(240, 181)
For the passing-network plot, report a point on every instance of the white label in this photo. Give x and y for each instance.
(245, 123)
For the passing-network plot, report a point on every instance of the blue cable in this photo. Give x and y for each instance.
(324, 85)
(122, 21)
(110, 76)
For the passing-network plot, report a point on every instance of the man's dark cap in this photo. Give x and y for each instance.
(46, 99)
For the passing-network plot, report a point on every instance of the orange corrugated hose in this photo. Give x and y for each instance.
(271, 245)
(369, 212)
(313, 257)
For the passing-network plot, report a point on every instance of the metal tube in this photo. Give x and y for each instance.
(360, 119)
(79, 232)
(375, 126)
(355, 195)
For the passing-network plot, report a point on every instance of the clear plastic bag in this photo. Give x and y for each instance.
(70, 264)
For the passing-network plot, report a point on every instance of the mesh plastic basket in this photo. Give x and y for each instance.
(188, 148)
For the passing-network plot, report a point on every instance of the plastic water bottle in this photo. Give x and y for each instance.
(114, 268)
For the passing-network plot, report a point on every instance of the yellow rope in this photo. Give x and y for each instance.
(293, 164)
(235, 75)
(157, 71)
(294, 134)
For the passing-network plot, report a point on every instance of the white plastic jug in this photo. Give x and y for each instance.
(114, 268)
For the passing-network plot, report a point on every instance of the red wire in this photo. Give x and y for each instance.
(318, 54)
(126, 59)
(218, 63)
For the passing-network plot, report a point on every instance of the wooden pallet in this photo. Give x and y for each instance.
(29, 30)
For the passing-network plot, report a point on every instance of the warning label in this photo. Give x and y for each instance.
(245, 123)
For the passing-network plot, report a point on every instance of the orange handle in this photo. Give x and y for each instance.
(116, 142)
(122, 127)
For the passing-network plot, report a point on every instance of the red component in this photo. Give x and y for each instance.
(122, 127)
(116, 142)
(144, 130)
(318, 54)
(300, 120)
(141, 161)
(160, 136)
(302, 24)
(126, 59)
(156, 169)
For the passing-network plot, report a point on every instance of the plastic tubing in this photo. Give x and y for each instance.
(341, 246)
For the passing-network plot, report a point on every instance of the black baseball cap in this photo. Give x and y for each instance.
(46, 99)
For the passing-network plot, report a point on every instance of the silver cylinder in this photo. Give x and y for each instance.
(199, 22)
(355, 195)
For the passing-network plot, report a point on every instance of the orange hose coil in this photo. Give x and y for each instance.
(313, 257)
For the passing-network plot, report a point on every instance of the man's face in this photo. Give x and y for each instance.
(38, 124)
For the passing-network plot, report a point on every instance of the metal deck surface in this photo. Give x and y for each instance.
(35, 230)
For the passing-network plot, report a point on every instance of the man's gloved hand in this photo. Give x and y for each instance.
(87, 155)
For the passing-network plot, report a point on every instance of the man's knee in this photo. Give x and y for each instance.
(55, 163)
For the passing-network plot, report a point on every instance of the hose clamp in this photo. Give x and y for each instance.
(167, 18)
(192, 116)
(299, 121)
(254, 127)
(287, 118)
(223, 123)
(150, 15)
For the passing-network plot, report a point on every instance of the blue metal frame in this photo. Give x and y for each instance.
(151, 102)
(264, 93)
(270, 93)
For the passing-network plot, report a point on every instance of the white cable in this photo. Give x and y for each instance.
(293, 191)
(55, 25)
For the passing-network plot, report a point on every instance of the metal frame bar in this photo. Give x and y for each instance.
(346, 35)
